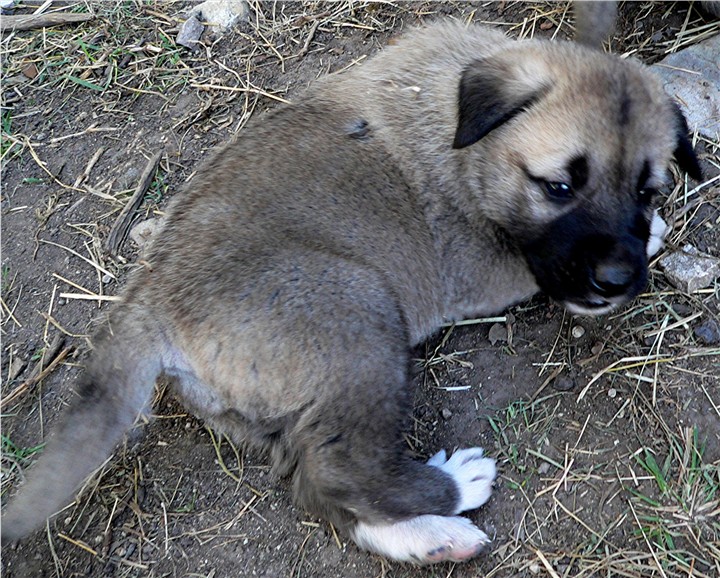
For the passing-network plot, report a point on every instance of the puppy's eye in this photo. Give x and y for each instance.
(558, 192)
(646, 195)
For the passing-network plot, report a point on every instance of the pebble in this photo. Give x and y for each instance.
(543, 468)
(498, 332)
(190, 32)
(708, 333)
(578, 331)
(17, 365)
(563, 382)
(612, 392)
(446, 413)
(144, 231)
(689, 270)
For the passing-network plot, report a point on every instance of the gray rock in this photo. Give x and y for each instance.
(689, 270)
(708, 333)
(692, 77)
(498, 332)
(190, 32)
(564, 382)
(144, 231)
(222, 14)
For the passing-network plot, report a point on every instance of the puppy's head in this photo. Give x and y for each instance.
(564, 149)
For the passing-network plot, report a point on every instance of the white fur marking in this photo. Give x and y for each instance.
(658, 230)
(423, 539)
(473, 474)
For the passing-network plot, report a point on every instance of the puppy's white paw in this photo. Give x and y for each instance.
(658, 230)
(473, 473)
(423, 539)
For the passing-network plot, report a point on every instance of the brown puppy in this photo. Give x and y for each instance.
(455, 174)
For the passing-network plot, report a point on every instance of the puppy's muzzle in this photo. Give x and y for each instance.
(612, 278)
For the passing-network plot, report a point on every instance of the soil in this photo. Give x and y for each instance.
(177, 501)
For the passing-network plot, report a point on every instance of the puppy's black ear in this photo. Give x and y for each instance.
(489, 96)
(684, 153)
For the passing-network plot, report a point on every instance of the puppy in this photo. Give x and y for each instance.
(456, 173)
(595, 20)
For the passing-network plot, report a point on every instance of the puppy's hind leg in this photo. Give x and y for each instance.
(352, 465)
(353, 470)
(430, 538)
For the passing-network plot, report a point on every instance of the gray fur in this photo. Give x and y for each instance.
(307, 257)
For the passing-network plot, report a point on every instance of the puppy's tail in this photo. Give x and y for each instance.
(115, 388)
(594, 21)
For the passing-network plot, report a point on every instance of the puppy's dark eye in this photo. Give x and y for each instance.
(646, 195)
(558, 192)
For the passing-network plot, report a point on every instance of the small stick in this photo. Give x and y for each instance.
(122, 224)
(31, 21)
(23, 387)
(69, 250)
(311, 34)
(93, 297)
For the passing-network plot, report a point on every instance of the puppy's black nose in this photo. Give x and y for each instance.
(610, 279)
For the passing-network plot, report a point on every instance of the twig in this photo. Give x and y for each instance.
(98, 267)
(23, 387)
(311, 34)
(119, 229)
(32, 21)
(94, 297)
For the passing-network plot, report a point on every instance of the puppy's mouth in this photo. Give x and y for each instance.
(591, 306)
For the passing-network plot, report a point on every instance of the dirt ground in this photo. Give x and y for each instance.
(606, 430)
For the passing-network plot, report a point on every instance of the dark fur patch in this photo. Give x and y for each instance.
(483, 105)
(579, 172)
(572, 255)
(684, 153)
(360, 130)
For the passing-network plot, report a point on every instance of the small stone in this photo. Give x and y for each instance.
(16, 366)
(144, 231)
(446, 413)
(535, 568)
(563, 382)
(597, 348)
(688, 270)
(498, 332)
(578, 331)
(30, 71)
(612, 392)
(190, 32)
(543, 468)
(708, 333)
(107, 279)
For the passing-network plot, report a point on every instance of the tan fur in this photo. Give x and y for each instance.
(308, 256)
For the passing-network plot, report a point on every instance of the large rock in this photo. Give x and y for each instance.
(689, 270)
(692, 77)
(222, 14)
